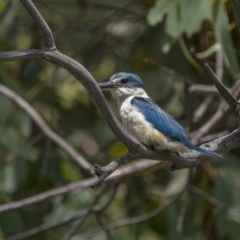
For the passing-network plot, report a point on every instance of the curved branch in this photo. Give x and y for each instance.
(39, 20)
(82, 75)
(49, 133)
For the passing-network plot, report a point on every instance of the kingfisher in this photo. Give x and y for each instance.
(145, 120)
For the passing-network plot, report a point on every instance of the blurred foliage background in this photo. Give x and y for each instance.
(166, 42)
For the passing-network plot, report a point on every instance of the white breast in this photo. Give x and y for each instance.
(135, 123)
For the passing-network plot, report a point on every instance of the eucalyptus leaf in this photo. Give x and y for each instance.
(161, 8)
(223, 36)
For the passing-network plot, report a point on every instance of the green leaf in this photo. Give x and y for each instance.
(172, 23)
(2, 5)
(192, 14)
(157, 13)
(223, 36)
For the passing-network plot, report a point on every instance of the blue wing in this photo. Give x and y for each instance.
(160, 120)
(166, 124)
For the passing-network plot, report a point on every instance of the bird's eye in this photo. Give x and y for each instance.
(124, 80)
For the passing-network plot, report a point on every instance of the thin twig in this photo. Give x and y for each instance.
(104, 172)
(49, 133)
(100, 217)
(229, 98)
(62, 222)
(213, 201)
(218, 116)
(80, 222)
(202, 109)
(130, 170)
(78, 186)
(203, 89)
(133, 220)
(209, 137)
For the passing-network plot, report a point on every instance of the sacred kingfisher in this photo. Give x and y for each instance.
(145, 120)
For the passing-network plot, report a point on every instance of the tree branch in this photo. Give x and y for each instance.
(201, 88)
(213, 201)
(78, 186)
(104, 172)
(125, 171)
(133, 220)
(202, 109)
(184, 160)
(229, 98)
(80, 222)
(62, 222)
(218, 116)
(49, 133)
(46, 32)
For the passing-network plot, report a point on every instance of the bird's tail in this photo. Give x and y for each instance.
(206, 152)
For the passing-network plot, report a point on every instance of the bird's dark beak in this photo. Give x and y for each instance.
(107, 85)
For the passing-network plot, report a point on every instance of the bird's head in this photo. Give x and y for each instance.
(123, 84)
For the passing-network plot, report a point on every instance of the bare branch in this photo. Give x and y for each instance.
(133, 169)
(201, 110)
(184, 160)
(104, 172)
(213, 201)
(39, 20)
(229, 98)
(62, 222)
(210, 137)
(201, 88)
(133, 220)
(78, 186)
(80, 222)
(81, 74)
(44, 128)
(21, 54)
(218, 116)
